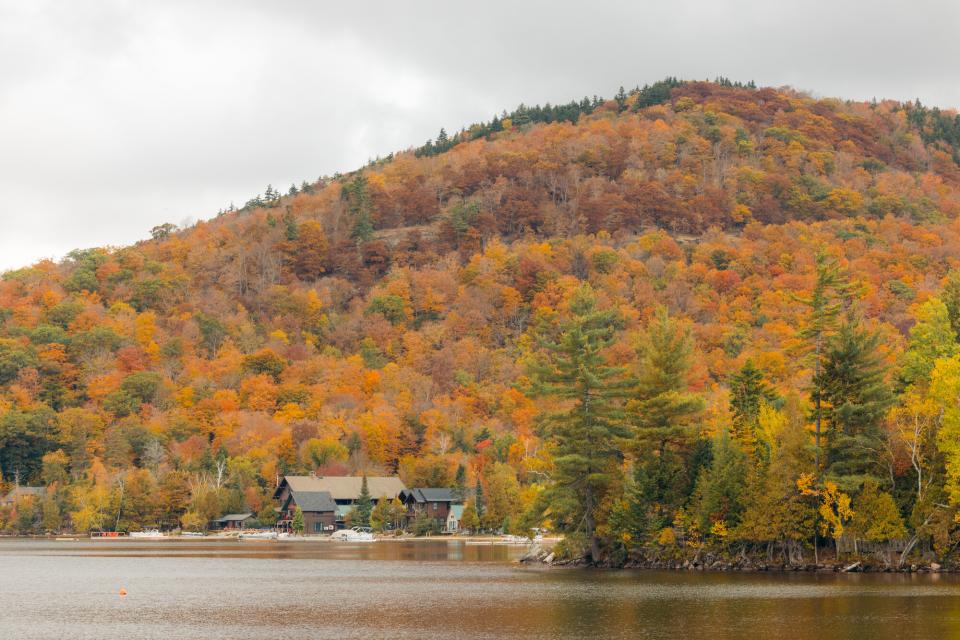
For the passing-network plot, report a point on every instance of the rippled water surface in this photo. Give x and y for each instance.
(210, 589)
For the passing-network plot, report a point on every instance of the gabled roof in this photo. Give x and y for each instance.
(343, 487)
(314, 501)
(456, 512)
(234, 517)
(429, 494)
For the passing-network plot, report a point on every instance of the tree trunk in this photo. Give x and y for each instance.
(590, 526)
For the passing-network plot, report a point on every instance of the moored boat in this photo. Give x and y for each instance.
(258, 535)
(356, 534)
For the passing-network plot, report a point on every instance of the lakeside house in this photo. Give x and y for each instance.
(454, 518)
(233, 521)
(326, 501)
(19, 492)
(437, 503)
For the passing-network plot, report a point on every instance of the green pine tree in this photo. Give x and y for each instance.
(721, 487)
(669, 457)
(364, 506)
(748, 391)
(355, 195)
(478, 501)
(663, 408)
(585, 431)
(830, 296)
(621, 99)
(856, 399)
(459, 490)
(297, 523)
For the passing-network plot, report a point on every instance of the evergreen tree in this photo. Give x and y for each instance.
(355, 195)
(459, 489)
(290, 228)
(663, 407)
(721, 486)
(748, 391)
(856, 399)
(443, 141)
(364, 506)
(478, 501)
(585, 432)
(628, 521)
(621, 99)
(828, 299)
(297, 523)
(669, 457)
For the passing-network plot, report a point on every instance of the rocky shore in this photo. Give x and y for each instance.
(537, 555)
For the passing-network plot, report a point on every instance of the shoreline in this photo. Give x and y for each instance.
(75, 537)
(538, 556)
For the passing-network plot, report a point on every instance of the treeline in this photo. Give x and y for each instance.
(868, 455)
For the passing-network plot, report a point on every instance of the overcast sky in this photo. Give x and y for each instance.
(117, 116)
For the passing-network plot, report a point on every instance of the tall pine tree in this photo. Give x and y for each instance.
(364, 506)
(585, 431)
(856, 398)
(828, 299)
(662, 407)
(748, 391)
(355, 195)
(669, 456)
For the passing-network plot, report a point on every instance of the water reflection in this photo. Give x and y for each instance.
(432, 589)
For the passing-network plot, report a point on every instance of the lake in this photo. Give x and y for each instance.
(209, 589)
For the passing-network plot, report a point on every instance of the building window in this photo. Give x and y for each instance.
(317, 527)
(434, 506)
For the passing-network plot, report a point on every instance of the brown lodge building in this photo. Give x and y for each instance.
(326, 500)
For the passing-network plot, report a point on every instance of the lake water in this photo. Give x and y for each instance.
(208, 589)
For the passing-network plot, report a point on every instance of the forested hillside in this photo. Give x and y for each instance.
(697, 313)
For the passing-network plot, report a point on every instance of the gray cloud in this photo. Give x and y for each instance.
(116, 116)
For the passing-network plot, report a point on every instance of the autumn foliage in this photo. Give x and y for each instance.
(388, 320)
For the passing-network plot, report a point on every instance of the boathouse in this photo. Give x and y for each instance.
(233, 521)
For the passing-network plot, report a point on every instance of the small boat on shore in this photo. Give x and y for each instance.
(356, 534)
(148, 534)
(192, 534)
(258, 535)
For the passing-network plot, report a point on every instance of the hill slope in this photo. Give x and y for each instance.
(387, 320)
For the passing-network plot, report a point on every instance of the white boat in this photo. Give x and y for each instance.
(258, 535)
(149, 534)
(192, 534)
(356, 534)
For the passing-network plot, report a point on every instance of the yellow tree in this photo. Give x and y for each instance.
(834, 506)
(945, 389)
